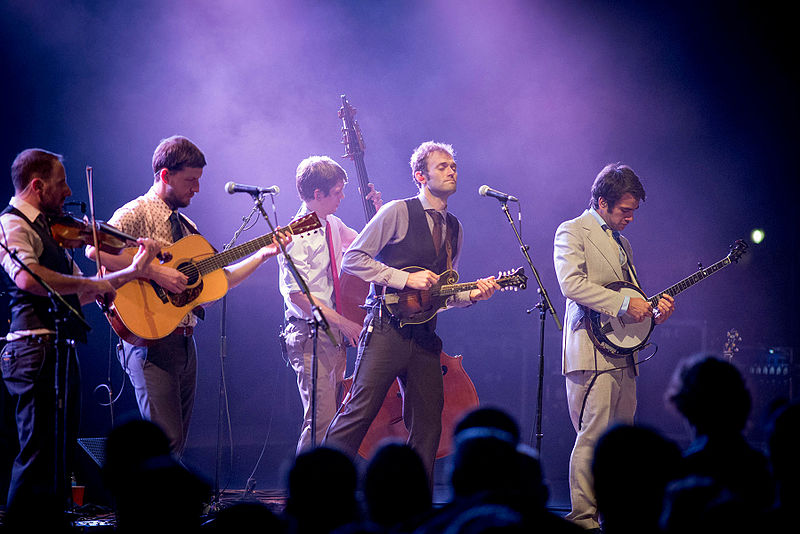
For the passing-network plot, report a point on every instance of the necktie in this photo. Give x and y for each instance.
(175, 226)
(437, 229)
(334, 267)
(624, 261)
(41, 222)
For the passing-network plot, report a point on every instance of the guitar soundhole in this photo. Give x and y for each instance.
(190, 270)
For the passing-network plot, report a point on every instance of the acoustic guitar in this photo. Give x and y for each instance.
(143, 311)
(615, 337)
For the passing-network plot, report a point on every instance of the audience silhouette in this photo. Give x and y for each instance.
(631, 468)
(151, 490)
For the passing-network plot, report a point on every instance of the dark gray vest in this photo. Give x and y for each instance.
(29, 311)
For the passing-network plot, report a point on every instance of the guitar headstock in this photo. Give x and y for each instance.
(352, 139)
(738, 248)
(304, 224)
(732, 340)
(515, 279)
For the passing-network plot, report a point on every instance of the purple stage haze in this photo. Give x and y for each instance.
(536, 98)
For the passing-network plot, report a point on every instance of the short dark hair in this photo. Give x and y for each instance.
(419, 159)
(176, 152)
(30, 162)
(318, 172)
(613, 182)
(710, 393)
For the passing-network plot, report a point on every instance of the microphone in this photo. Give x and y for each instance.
(486, 191)
(232, 187)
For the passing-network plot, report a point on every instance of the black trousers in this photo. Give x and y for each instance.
(412, 354)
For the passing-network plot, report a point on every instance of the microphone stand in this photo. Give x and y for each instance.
(316, 322)
(62, 312)
(222, 403)
(544, 306)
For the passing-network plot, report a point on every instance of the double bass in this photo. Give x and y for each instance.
(459, 391)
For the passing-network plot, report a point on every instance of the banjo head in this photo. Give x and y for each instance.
(612, 335)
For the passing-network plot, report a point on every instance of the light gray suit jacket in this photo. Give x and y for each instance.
(586, 259)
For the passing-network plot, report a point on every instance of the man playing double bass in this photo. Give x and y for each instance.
(317, 257)
(417, 231)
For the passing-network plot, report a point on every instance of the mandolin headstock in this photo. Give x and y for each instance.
(512, 280)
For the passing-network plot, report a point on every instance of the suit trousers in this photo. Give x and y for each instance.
(611, 399)
(164, 378)
(331, 366)
(412, 354)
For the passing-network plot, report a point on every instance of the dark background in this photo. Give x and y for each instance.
(699, 98)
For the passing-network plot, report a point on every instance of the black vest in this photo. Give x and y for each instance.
(416, 249)
(29, 311)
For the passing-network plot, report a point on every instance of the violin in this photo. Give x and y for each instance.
(71, 232)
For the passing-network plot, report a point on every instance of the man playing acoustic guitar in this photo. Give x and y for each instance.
(164, 373)
(417, 232)
(589, 252)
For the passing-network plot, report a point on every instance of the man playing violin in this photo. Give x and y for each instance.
(320, 185)
(417, 231)
(28, 357)
(164, 374)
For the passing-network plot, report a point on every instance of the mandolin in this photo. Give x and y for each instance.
(416, 306)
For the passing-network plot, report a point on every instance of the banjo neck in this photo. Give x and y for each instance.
(691, 280)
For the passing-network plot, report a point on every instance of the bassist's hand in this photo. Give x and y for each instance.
(638, 310)
(350, 330)
(486, 288)
(421, 280)
(666, 305)
(374, 196)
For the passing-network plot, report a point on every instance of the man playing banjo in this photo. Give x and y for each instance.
(590, 252)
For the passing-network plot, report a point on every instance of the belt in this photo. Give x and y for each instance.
(184, 331)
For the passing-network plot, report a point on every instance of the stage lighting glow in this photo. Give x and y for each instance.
(757, 235)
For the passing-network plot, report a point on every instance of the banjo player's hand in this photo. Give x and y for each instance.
(666, 305)
(638, 310)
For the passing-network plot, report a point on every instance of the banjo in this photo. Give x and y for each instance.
(615, 337)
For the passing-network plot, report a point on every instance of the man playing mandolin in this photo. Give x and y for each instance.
(164, 373)
(419, 232)
(589, 253)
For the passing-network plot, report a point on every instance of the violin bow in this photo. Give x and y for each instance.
(95, 239)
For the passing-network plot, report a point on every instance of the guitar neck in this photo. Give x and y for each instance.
(225, 258)
(691, 280)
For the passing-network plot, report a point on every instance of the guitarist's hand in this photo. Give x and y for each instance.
(170, 279)
(273, 249)
(486, 288)
(421, 279)
(638, 310)
(666, 305)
